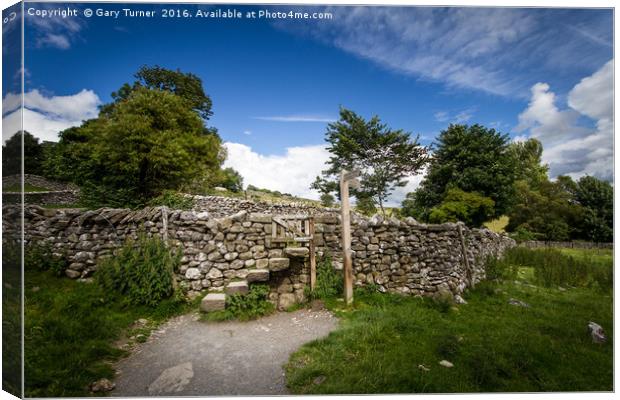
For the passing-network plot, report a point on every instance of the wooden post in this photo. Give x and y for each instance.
(310, 233)
(346, 239)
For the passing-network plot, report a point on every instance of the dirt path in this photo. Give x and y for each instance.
(190, 357)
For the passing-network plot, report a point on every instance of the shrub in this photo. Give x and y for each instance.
(39, 257)
(245, 306)
(552, 267)
(142, 271)
(173, 200)
(329, 282)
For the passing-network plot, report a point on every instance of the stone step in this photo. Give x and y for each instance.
(238, 287)
(213, 302)
(297, 251)
(279, 264)
(257, 275)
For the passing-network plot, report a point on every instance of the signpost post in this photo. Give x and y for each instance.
(347, 179)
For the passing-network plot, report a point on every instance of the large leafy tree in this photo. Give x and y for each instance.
(385, 157)
(527, 156)
(473, 159)
(139, 147)
(185, 85)
(597, 198)
(12, 155)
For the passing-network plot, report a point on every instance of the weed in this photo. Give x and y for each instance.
(173, 200)
(142, 271)
(244, 307)
(329, 282)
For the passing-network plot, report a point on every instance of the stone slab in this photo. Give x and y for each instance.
(213, 302)
(279, 264)
(240, 287)
(257, 275)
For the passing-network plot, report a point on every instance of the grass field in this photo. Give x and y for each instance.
(393, 344)
(27, 188)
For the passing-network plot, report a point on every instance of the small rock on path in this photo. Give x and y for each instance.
(187, 357)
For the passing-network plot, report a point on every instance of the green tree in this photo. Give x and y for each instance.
(185, 85)
(470, 208)
(470, 158)
(231, 180)
(597, 198)
(365, 205)
(385, 157)
(327, 200)
(12, 155)
(150, 142)
(527, 156)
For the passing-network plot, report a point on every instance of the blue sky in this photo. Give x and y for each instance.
(275, 84)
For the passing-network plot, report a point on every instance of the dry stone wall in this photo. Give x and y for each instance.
(397, 256)
(58, 193)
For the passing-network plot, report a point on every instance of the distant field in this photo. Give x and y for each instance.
(27, 188)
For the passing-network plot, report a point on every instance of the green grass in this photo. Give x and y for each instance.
(27, 188)
(494, 346)
(70, 330)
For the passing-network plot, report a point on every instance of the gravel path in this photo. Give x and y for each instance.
(190, 357)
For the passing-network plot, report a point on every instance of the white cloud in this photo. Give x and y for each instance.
(569, 148)
(45, 116)
(465, 47)
(248, 133)
(441, 116)
(56, 32)
(454, 117)
(292, 172)
(297, 118)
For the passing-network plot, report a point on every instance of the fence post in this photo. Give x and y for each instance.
(164, 223)
(346, 239)
(470, 274)
(312, 254)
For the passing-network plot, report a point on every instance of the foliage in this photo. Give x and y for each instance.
(141, 271)
(39, 257)
(12, 322)
(470, 208)
(472, 159)
(527, 156)
(245, 307)
(70, 330)
(385, 157)
(329, 282)
(148, 143)
(185, 85)
(547, 212)
(327, 200)
(552, 267)
(494, 346)
(173, 200)
(597, 198)
(12, 155)
(231, 180)
(366, 205)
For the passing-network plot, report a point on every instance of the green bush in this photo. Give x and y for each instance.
(39, 257)
(173, 200)
(245, 307)
(329, 282)
(142, 271)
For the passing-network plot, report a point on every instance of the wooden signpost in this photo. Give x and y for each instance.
(347, 178)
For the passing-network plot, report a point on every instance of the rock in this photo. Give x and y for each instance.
(596, 331)
(102, 385)
(214, 273)
(297, 251)
(317, 305)
(319, 379)
(262, 263)
(459, 300)
(192, 273)
(257, 275)
(213, 302)
(278, 264)
(423, 368)
(240, 287)
(446, 363)
(72, 274)
(286, 300)
(518, 303)
(172, 380)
